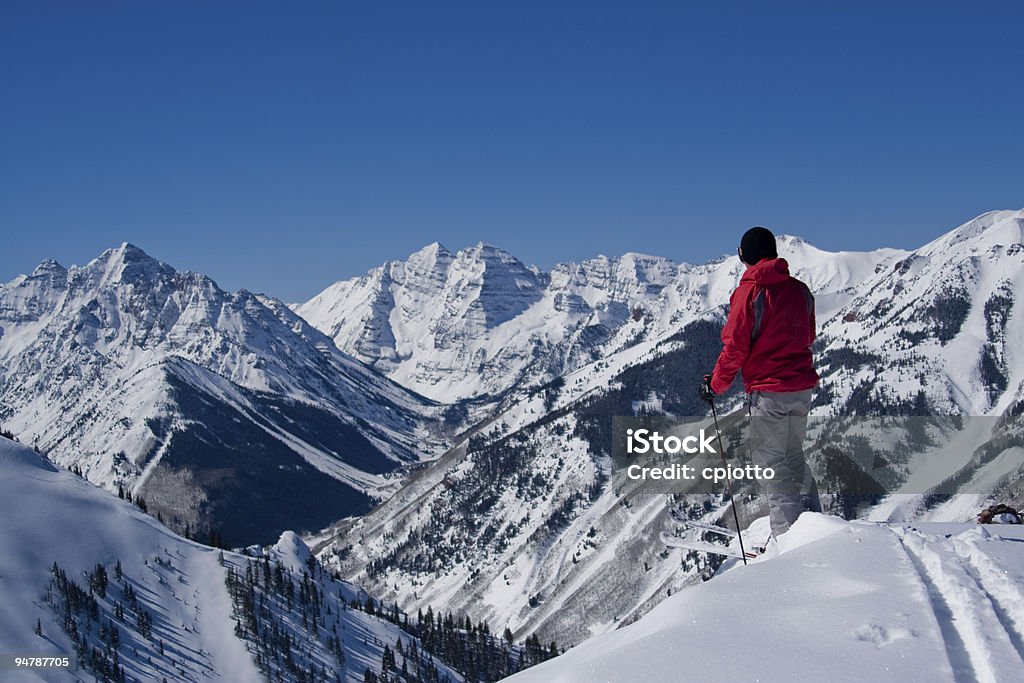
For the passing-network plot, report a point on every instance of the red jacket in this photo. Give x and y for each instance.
(769, 332)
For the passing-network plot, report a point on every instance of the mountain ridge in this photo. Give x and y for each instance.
(95, 369)
(456, 326)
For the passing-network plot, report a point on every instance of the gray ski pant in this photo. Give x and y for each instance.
(778, 425)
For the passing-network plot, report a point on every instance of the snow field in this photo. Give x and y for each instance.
(836, 601)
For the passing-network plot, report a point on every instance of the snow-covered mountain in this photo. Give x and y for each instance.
(520, 525)
(939, 322)
(223, 410)
(842, 601)
(478, 322)
(84, 572)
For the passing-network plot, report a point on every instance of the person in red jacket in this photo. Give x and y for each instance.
(768, 339)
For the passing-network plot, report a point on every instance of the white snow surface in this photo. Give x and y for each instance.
(834, 601)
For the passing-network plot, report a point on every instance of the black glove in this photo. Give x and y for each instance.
(705, 391)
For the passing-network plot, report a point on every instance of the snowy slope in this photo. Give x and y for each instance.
(479, 322)
(160, 381)
(939, 322)
(841, 601)
(519, 525)
(52, 516)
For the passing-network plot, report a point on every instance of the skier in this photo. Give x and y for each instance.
(768, 338)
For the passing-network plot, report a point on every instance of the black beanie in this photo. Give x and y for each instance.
(758, 243)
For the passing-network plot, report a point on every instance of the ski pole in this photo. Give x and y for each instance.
(728, 481)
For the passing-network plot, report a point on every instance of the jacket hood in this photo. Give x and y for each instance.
(767, 272)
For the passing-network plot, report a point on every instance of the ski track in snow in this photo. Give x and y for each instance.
(1003, 614)
(980, 633)
(1005, 592)
(957, 651)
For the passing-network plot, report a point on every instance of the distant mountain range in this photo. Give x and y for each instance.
(478, 323)
(475, 395)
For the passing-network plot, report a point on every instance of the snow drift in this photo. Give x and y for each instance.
(837, 601)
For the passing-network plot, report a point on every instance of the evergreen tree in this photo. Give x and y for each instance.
(98, 581)
(388, 660)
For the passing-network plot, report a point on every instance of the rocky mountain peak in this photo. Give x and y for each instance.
(50, 269)
(126, 264)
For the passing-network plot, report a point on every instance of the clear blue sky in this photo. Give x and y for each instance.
(282, 146)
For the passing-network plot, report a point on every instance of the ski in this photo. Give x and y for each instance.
(703, 526)
(703, 546)
(713, 528)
